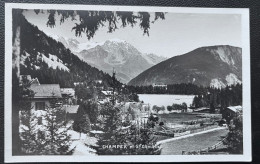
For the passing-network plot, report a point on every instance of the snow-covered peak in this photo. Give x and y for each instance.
(88, 45)
(116, 40)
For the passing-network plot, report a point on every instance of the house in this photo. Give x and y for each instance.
(230, 112)
(68, 94)
(44, 94)
(105, 96)
(159, 86)
(71, 111)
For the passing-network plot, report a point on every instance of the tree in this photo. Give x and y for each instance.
(152, 121)
(169, 108)
(45, 132)
(117, 132)
(82, 124)
(141, 141)
(91, 21)
(111, 126)
(234, 139)
(82, 120)
(57, 140)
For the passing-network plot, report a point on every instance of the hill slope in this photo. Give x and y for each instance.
(51, 62)
(215, 66)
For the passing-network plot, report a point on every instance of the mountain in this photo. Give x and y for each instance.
(116, 54)
(215, 66)
(51, 62)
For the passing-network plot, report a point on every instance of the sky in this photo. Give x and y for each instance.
(178, 34)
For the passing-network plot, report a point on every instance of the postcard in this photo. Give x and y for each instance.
(87, 83)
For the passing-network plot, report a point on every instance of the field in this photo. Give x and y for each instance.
(193, 143)
(177, 117)
(165, 100)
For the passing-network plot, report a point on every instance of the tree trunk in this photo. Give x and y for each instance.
(16, 15)
(15, 97)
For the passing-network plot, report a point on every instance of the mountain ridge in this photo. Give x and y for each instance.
(206, 66)
(116, 54)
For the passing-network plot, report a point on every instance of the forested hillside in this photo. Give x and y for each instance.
(49, 61)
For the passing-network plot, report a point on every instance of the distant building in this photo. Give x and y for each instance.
(68, 94)
(105, 96)
(28, 80)
(71, 111)
(78, 83)
(232, 111)
(159, 86)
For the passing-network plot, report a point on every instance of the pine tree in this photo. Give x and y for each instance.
(28, 133)
(137, 137)
(234, 139)
(44, 132)
(57, 140)
(112, 134)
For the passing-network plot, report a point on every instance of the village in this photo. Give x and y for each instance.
(165, 124)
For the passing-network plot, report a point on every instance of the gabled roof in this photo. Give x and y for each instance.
(235, 108)
(35, 81)
(46, 91)
(68, 91)
(107, 93)
(71, 108)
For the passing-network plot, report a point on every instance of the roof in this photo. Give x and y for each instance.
(68, 91)
(96, 132)
(35, 81)
(71, 108)
(235, 108)
(107, 92)
(46, 91)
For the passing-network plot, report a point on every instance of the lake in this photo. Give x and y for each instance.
(165, 100)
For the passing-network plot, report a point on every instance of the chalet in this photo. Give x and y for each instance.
(71, 111)
(68, 94)
(105, 96)
(159, 86)
(230, 112)
(43, 94)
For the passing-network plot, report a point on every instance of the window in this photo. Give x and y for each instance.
(39, 120)
(39, 105)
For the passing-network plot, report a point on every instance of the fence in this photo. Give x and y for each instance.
(208, 150)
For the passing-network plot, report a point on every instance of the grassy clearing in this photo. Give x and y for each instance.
(193, 143)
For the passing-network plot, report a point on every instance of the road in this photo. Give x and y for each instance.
(192, 142)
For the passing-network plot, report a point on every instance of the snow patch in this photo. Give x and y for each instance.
(232, 79)
(217, 83)
(53, 62)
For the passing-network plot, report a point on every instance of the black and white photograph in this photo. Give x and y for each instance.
(112, 83)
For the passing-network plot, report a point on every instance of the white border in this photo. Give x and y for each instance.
(247, 156)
